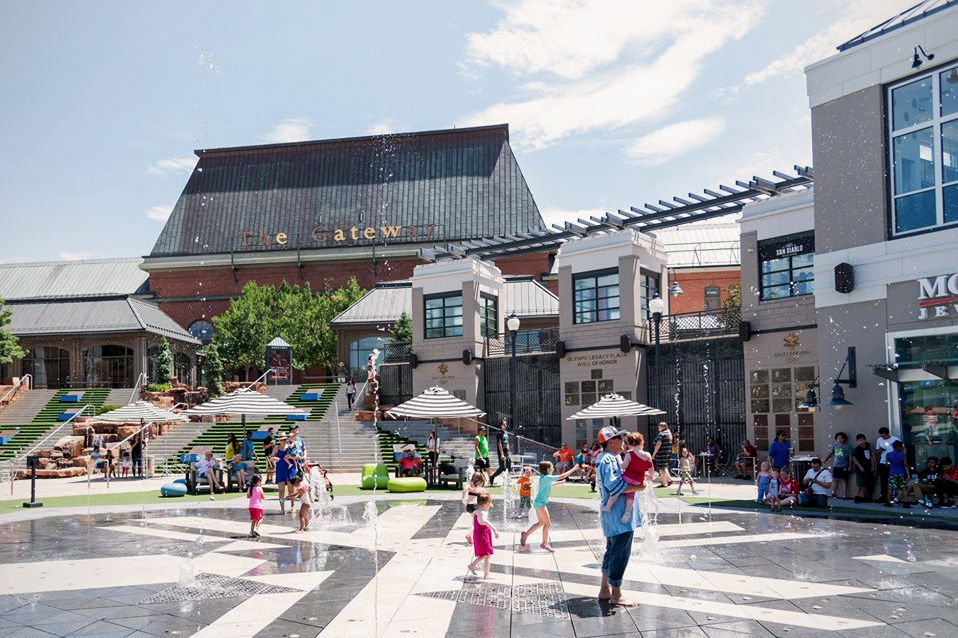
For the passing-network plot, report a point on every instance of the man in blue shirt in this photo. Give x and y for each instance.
(618, 535)
(779, 451)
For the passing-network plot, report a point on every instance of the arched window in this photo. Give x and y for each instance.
(358, 352)
(50, 367)
(202, 329)
(182, 368)
(713, 297)
(109, 366)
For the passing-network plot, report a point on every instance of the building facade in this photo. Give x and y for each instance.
(885, 146)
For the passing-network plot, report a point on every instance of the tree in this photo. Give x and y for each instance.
(212, 369)
(731, 313)
(243, 331)
(162, 362)
(9, 345)
(402, 329)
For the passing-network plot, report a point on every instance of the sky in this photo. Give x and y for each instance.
(611, 103)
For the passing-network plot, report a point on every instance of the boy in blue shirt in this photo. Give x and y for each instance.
(898, 475)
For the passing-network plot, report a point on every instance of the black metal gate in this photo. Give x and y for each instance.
(537, 394)
(702, 388)
(395, 383)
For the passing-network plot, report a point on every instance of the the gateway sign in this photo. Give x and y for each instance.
(937, 296)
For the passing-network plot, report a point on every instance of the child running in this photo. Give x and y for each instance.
(524, 487)
(762, 480)
(546, 481)
(482, 532)
(301, 491)
(255, 495)
(686, 465)
(471, 494)
(635, 468)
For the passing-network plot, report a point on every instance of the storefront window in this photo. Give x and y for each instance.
(929, 406)
(923, 137)
(488, 315)
(50, 367)
(108, 366)
(786, 266)
(358, 353)
(443, 316)
(595, 296)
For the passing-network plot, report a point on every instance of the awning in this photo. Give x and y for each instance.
(435, 403)
(246, 402)
(614, 405)
(139, 410)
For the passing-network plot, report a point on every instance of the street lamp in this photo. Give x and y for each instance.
(657, 307)
(512, 325)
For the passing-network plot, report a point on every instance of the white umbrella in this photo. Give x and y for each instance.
(435, 403)
(245, 402)
(139, 410)
(614, 405)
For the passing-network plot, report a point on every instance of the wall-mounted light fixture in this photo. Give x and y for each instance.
(838, 395)
(917, 61)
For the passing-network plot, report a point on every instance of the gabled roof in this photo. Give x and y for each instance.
(432, 186)
(73, 279)
(386, 302)
(44, 318)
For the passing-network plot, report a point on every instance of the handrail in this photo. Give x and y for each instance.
(257, 380)
(35, 447)
(15, 388)
(140, 378)
(519, 437)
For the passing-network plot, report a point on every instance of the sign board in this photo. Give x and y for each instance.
(938, 296)
(280, 359)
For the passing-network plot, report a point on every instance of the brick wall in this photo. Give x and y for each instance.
(693, 283)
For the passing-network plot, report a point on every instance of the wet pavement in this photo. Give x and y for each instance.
(398, 569)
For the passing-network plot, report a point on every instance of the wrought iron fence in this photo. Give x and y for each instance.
(397, 352)
(527, 342)
(702, 324)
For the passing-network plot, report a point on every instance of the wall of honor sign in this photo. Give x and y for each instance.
(938, 296)
(323, 236)
(603, 359)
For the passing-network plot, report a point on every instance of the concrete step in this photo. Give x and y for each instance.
(280, 392)
(26, 408)
(120, 396)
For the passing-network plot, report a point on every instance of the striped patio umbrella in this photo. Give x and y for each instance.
(139, 410)
(613, 405)
(435, 403)
(244, 402)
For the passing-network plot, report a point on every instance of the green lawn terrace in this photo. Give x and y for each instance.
(48, 419)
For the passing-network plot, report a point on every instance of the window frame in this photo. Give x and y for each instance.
(447, 329)
(485, 329)
(596, 274)
(771, 246)
(718, 298)
(645, 277)
(935, 124)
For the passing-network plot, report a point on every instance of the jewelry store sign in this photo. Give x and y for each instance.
(938, 296)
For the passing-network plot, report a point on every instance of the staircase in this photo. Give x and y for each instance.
(120, 396)
(26, 408)
(94, 397)
(45, 420)
(341, 448)
(166, 448)
(280, 392)
(451, 442)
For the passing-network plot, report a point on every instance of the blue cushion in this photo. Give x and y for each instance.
(70, 398)
(296, 417)
(180, 480)
(310, 396)
(260, 435)
(5, 439)
(63, 416)
(173, 489)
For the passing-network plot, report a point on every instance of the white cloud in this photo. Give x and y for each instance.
(68, 256)
(673, 140)
(857, 16)
(382, 127)
(292, 129)
(159, 213)
(172, 165)
(666, 46)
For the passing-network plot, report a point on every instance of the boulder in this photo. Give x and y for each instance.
(80, 461)
(72, 445)
(66, 472)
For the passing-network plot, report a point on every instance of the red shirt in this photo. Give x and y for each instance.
(566, 455)
(787, 487)
(952, 473)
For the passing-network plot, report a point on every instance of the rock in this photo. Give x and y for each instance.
(80, 461)
(66, 472)
(72, 445)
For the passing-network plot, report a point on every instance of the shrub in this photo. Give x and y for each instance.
(158, 387)
(103, 409)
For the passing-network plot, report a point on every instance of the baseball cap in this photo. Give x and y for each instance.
(609, 432)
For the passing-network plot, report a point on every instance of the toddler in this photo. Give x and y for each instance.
(762, 480)
(774, 486)
(686, 464)
(524, 487)
(255, 495)
(125, 464)
(301, 491)
(471, 494)
(636, 466)
(482, 532)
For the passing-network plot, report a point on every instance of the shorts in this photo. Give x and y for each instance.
(471, 507)
(840, 472)
(481, 464)
(525, 502)
(897, 483)
(255, 514)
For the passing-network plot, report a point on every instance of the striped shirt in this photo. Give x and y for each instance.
(610, 483)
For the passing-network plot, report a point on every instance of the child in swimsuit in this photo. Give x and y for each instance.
(471, 494)
(482, 533)
(635, 468)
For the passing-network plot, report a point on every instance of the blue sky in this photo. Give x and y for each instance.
(611, 103)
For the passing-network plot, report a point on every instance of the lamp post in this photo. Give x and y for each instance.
(512, 325)
(657, 307)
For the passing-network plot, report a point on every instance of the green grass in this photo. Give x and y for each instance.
(30, 433)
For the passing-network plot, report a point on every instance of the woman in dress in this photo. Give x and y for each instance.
(662, 454)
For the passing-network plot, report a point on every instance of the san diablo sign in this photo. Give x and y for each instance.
(937, 296)
(325, 236)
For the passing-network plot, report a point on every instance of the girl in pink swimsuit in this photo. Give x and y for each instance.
(482, 532)
(635, 468)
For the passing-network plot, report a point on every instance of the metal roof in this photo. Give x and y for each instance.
(906, 17)
(696, 245)
(73, 279)
(649, 219)
(83, 317)
(434, 186)
(385, 303)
